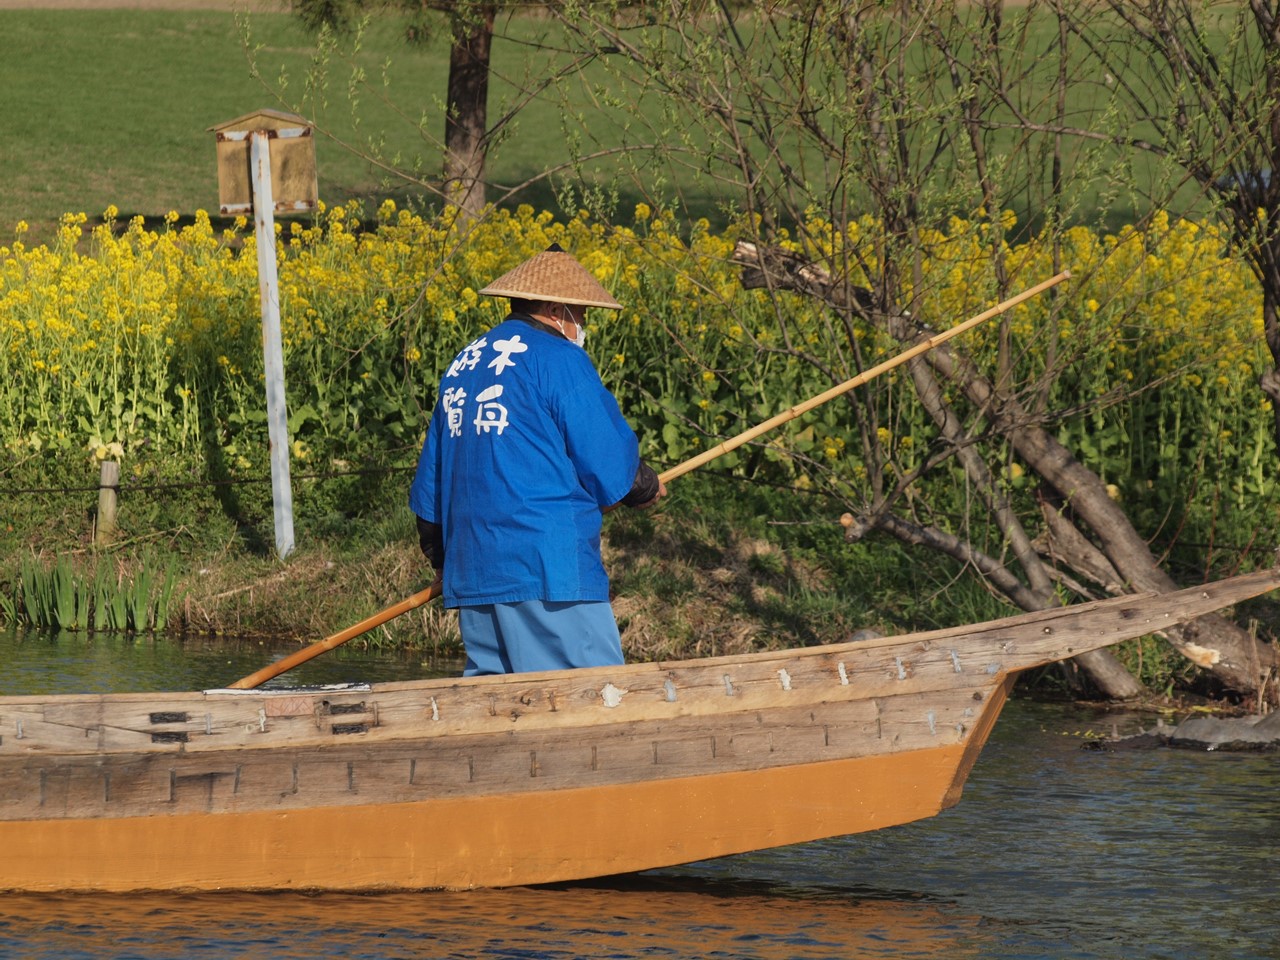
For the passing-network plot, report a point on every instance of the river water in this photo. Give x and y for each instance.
(1055, 852)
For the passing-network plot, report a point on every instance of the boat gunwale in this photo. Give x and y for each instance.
(1008, 635)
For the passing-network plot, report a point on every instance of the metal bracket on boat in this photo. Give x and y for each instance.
(170, 719)
(346, 718)
(178, 725)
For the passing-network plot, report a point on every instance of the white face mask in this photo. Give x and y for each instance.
(580, 338)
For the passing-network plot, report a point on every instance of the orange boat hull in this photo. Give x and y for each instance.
(483, 842)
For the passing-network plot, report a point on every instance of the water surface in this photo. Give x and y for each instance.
(1054, 852)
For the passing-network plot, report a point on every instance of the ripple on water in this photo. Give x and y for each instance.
(632, 917)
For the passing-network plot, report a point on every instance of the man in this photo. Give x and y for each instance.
(525, 450)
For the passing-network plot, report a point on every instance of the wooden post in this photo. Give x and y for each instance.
(255, 176)
(108, 488)
(272, 349)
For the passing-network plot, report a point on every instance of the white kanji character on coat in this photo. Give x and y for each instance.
(468, 358)
(490, 413)
(452, 402)
(505, 349)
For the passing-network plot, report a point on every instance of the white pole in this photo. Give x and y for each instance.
(272, 350)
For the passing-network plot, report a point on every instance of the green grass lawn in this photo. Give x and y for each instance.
(113, 106)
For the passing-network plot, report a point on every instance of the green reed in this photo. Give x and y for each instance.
(60, 596)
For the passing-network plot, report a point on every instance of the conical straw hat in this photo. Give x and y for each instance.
(555, 277)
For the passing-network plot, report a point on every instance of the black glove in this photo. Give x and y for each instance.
(644, 489)
(431, 540)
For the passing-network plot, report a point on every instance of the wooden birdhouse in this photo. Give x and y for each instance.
(293, 162)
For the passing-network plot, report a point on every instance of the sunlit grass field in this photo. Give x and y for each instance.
(112, 107)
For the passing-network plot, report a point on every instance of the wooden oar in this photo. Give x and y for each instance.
(433, 591)
(339, 638)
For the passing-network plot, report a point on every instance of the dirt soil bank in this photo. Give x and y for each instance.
(253, 6)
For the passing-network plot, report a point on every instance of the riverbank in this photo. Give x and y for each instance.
(720, 567)
(230, 6)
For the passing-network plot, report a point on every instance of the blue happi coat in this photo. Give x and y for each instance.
(524, 450)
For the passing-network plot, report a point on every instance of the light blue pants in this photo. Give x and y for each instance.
(538, 635)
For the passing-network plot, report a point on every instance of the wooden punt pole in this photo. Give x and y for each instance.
(914, 351)
(418, 599)
(337, 639)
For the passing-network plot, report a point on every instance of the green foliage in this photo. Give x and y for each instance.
(1156, 665)
(1158, 395)
(53, 597)
(341, 15)
(62, 597)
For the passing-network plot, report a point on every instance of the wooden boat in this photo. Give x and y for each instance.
(523, 779)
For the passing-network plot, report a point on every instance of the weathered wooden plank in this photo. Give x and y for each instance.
(24, 728)
(353, 769)
(199, 743)
(933, 661)
(25, 790)
(95, 787)
(163, 726)
(258, 785)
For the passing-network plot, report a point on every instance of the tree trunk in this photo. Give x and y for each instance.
(468, 101)
(1109, 675)
(1102, 668)
(1231, 654)
(1234, 657)
(1270, 381)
